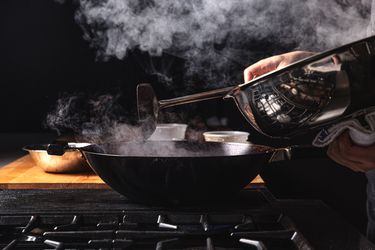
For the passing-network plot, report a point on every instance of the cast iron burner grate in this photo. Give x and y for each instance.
(151, 230)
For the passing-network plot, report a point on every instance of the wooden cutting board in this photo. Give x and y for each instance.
(24, 174)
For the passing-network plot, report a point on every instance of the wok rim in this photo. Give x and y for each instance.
(267, 150)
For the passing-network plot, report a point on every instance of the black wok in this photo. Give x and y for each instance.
(175, 172)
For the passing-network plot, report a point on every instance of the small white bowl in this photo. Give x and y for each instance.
(169, 132)
(226, 136)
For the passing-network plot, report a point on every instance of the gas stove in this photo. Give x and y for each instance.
(103, 219)
(150, 230)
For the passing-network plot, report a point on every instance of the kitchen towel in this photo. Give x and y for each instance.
(362, 134)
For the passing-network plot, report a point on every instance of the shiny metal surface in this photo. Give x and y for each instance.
(280, 105)
(339, 103)
(71, 161)
(311, 93)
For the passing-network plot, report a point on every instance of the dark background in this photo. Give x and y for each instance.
(43, 56)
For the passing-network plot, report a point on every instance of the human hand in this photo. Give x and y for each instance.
(346, 153)
(271, 63)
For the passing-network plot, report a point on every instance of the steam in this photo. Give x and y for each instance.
(174, 149)
(92, 119)
(215, 37)
(99, 119)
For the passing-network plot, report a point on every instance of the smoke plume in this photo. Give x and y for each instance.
(216, 37)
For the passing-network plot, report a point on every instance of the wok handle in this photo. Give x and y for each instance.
(208, 95)
(59, 148)
(299, 152)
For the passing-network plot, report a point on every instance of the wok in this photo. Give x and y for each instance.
(175, 172)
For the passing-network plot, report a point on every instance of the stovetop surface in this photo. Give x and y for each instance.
(20, 201)
(103, 219)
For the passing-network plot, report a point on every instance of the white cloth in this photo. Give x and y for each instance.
(363, 135)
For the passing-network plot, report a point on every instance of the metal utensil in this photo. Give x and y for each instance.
(148, 105)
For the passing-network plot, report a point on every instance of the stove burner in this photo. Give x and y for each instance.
(150, 230)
